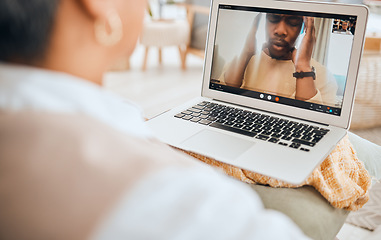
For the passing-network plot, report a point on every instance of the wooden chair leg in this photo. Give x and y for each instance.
(183, 56)
(160, 56)
(144, 67)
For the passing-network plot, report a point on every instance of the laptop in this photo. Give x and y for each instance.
(278, 86)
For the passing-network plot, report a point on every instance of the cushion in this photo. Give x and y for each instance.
(315, 216)
(200, 25)
(369, 153)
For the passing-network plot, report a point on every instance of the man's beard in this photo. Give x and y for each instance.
(284, 54)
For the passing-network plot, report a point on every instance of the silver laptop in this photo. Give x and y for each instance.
(278, 86)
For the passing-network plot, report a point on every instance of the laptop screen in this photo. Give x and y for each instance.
(257, 52)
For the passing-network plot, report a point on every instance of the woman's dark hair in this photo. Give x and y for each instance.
(25, 29)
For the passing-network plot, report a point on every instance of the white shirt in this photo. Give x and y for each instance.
(27, 88)
(195, 203)
(198, 203)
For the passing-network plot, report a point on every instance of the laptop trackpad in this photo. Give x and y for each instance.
(218, 145)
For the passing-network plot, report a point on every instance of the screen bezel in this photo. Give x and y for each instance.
(360, 11)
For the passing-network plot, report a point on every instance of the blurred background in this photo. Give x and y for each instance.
(166, 67)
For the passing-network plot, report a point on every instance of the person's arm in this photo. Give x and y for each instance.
(235, 73)
(305, 86)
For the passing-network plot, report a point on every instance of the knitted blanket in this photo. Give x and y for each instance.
(341, 178)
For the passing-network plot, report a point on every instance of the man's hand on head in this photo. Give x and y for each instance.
(305, 87)
(302, 56)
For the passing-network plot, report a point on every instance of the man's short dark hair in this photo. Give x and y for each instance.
(25, 29)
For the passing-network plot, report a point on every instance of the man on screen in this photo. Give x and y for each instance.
(280, 68)
(345, 28)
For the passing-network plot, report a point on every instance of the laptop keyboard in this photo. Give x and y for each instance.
(260, 126)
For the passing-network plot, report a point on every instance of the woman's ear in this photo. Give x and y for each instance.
(96, 9)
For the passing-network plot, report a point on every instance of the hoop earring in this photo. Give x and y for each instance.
(115, 34)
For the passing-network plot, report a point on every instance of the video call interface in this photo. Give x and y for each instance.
(256, 51)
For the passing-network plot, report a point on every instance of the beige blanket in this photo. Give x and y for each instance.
(341, 178)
